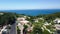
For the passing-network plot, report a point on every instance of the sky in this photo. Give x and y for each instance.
(29, 4)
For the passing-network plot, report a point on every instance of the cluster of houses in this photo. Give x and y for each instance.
(22, 21)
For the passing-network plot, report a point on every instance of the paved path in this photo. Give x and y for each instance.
(13, 29)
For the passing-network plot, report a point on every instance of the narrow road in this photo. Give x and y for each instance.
(13, 29)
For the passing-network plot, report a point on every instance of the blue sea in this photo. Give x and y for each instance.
(33, 12)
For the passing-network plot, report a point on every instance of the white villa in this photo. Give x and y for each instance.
(57, 25)
(21, 21)
(57, 20)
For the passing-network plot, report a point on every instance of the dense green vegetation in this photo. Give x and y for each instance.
(7, 18)
(52, 16)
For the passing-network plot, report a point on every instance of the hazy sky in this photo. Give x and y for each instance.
(29, 4)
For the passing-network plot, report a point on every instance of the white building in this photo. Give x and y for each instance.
(57, 26)
(21, 21)
(57, 20)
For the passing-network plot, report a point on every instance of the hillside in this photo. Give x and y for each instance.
(10, 18)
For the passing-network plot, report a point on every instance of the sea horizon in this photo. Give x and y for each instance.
(33, 12)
